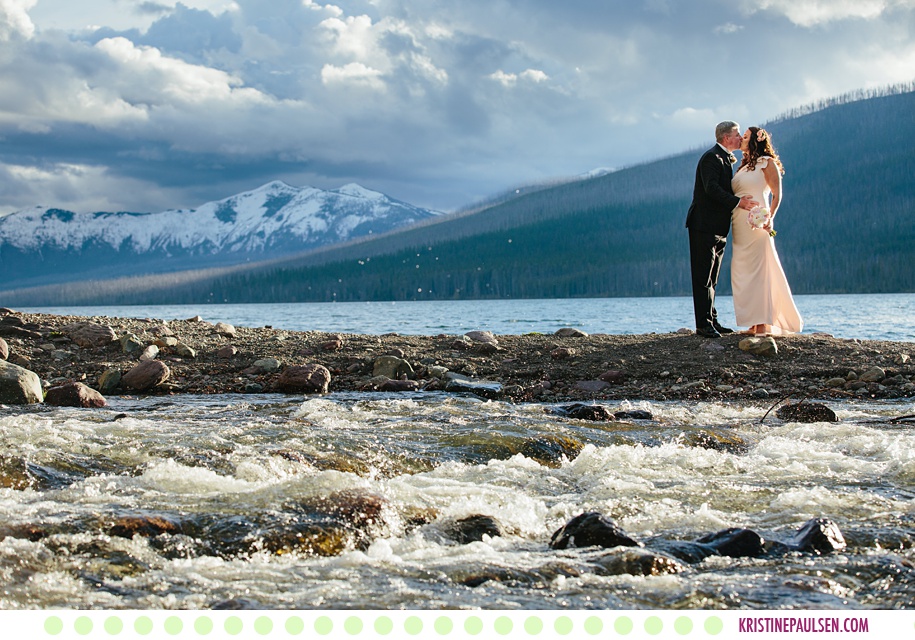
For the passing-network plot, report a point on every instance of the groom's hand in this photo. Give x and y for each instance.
(747, 203)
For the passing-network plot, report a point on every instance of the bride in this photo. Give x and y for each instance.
(762, 297)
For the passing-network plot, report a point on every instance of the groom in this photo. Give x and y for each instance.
(709, 220)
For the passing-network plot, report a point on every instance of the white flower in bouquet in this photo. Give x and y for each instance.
(758, 217)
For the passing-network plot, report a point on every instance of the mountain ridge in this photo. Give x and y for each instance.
(51, 244)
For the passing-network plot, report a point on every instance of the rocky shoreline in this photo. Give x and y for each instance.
(118, 356)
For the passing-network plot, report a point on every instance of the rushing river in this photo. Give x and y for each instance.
(237, 476)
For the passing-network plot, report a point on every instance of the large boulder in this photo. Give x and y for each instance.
(4, 349)
(146, 375)
(306, 378)
(18, 385)
(74, 394)
(89, 334)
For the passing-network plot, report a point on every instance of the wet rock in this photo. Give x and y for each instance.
(819, 536)
(306, 378)
(717, 441)
(398, 385)
(638, 562)
(759, 346)
(874, 374)
(15, 473)
(471, 529)
(89, 334)
(144, 526)
(591, 529)
(806, 412)
(109, 381)
(4, 349)
(74, 394)
(550, 450)
(683, 550)
(483, 388)
(633, 414)
(392, 367)
(835, 383)
(592, 412)
(736, 543)
(569, 332)
(146, 375)
(239, 604)
(18, 385)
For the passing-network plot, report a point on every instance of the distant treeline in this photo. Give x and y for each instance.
(847, 225)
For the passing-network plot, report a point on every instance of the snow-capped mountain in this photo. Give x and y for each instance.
(41, 245)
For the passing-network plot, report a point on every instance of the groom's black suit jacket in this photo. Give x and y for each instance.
(713, 197)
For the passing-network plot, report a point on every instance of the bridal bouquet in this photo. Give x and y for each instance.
(758, 217)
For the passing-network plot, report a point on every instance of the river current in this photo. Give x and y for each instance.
(238, 476)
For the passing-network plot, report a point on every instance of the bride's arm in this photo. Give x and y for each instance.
(774, 181)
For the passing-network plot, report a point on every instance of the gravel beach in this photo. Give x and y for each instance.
(205, 356)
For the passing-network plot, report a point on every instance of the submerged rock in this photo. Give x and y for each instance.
(471, 529)
(549, 450)
(806, 412)
(638, 562)
(591, 529)
(592, 412)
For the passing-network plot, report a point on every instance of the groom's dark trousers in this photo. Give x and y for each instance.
(708, 221)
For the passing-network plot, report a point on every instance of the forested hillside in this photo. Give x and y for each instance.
(847, 225)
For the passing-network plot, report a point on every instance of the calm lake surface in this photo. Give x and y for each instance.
(236, 474)
(870, 316)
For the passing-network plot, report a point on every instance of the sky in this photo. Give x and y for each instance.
(147, 105)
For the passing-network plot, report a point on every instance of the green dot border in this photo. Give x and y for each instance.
(427, 625)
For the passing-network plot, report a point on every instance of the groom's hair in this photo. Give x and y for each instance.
(724, 128)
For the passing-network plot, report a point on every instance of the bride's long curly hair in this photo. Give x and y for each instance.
(760, 144)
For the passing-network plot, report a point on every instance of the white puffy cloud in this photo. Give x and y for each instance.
(15, 20)
(808, 13)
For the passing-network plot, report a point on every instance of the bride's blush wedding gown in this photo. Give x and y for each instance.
(758, 283)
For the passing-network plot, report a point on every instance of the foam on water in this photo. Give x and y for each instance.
(216, 455)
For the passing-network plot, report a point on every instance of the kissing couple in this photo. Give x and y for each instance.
(745, 202)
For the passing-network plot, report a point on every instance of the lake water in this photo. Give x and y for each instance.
(251, 493)
(870, 317)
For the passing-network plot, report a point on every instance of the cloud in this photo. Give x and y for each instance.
(808, 13)
(353, 73)
(439, 103)
(14, 19)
